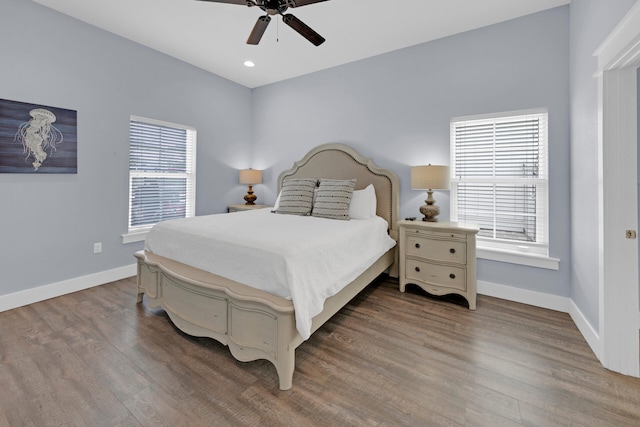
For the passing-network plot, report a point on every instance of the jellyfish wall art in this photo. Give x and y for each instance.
(37, 139)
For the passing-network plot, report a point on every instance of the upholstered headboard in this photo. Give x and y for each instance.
(339, 161)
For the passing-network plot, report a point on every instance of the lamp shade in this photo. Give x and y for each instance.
(250, 176)
(430, 177)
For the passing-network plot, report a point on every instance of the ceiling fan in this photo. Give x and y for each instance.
(278, 7)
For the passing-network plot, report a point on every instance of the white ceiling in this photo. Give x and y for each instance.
(212, 36)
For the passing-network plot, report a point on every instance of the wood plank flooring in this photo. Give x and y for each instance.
(96, 358)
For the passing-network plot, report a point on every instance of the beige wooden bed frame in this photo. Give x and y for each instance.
(255, 324)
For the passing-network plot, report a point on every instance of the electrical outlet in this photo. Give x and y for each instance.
(97, 248)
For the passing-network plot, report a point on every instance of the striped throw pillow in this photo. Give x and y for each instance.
(333, 198)
(296, 196)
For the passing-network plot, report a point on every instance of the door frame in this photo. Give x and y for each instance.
(618, 60)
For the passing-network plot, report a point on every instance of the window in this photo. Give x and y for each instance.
(499, 179)
(161, 173)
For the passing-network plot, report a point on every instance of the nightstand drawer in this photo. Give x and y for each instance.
(442, 235)
(440, 275)
(437, 250)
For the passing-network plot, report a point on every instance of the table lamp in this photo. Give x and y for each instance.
(430, 178)
(250, 177)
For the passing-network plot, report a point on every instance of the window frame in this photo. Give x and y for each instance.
(513, 251)
(138, 232)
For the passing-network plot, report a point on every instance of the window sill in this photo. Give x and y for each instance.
(531, 260)
(137, 236)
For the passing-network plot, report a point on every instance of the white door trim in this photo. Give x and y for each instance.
(618, 60)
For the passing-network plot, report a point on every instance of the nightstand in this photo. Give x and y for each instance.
(242, 207)
(440, 257)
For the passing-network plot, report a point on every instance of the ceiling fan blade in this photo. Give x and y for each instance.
(303, 29)
(258, 29)
(298, 3)
(240, 2)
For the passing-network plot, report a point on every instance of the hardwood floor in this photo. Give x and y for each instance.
(96, 358)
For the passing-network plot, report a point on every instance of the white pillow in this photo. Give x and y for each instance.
(363, 203)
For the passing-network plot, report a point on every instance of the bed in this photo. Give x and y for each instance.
(253, 323)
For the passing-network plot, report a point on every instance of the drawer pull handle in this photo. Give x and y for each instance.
(417, 245)
(418, 269)
(452, 276)
(453, 251)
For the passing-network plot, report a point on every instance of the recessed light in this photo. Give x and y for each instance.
(249, 64)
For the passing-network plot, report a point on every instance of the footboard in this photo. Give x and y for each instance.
(252, 323)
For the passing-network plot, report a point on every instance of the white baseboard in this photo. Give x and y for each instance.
(590, 335)
(41, 293)
(537, 299)
(552, 302)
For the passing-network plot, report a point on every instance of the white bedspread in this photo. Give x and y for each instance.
(301, 258)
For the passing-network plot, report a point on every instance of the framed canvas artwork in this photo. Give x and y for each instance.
(37, 138)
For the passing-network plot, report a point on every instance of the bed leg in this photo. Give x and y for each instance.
(285, 369)
(139, 297)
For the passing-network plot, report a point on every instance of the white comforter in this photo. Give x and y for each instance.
(302, 258)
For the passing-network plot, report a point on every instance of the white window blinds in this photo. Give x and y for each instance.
(500, 179)
(161, 172)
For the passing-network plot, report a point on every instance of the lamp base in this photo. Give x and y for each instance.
(430, 210)
(250, 198)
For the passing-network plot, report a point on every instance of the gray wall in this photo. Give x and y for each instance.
(591, 21)
(396, 109)
(50, 222)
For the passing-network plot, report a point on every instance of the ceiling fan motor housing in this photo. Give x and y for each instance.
(273, 7)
